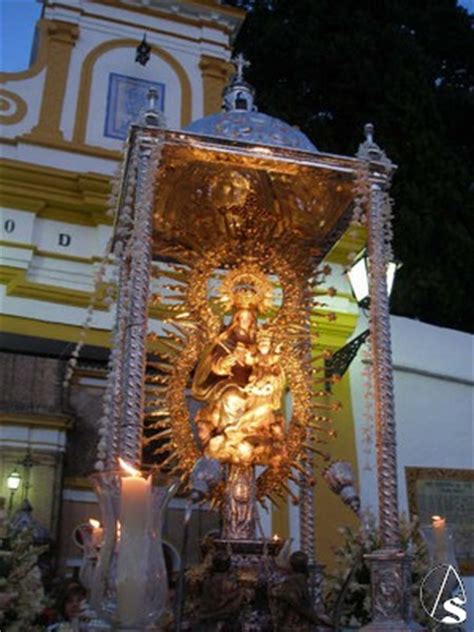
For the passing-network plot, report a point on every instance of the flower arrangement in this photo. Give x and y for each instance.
(21, 588)
(355, 607)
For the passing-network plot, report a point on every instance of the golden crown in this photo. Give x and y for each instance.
(246, 287)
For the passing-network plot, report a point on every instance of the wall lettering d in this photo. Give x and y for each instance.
(64, 240)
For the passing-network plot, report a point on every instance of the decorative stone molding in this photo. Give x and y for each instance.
(12, 107)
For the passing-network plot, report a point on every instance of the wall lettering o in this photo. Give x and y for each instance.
(9, 226)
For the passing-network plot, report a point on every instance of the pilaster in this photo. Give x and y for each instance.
(215, 73)
(62, 37)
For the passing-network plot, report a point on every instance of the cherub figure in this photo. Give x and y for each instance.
(252, 437)
(265, 389)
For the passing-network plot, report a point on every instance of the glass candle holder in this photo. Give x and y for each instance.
(129, 586)
(440, 544)
(89, 554)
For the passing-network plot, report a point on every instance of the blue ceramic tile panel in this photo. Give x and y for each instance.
(126, 97)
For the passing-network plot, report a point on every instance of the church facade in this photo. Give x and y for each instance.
(64, 124)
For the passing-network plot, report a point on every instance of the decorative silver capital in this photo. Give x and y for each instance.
(369, 150)
(391, 591)
(151, 116)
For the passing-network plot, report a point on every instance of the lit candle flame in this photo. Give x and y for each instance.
(95, 524)
(129, 469)
(119, 530)
(275, 537)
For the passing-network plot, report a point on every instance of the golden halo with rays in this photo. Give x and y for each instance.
(246, 286)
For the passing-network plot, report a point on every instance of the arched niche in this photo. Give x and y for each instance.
(117, 57)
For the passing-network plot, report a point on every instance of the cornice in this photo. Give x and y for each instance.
(68, 146)
(73, 197)
(19, 286)
(188, 12)
(59, 422)
(53, 330)
(77, 482)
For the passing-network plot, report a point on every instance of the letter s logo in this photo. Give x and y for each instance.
(452, 606)
(441, 592)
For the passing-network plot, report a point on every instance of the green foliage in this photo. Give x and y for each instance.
(21, 585)
(408, 67)
(356, 607)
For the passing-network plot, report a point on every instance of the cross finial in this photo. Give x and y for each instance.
(239, 95)
(240, 63)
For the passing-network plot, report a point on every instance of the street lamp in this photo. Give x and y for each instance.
(143, 51)
(13, 483)
(358, 275)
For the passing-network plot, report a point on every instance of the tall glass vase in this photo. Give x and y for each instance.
(129, 587)
(440, 544)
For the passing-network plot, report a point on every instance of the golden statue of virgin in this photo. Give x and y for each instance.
(240, 378)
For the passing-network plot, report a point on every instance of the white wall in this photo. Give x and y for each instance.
(433, 379)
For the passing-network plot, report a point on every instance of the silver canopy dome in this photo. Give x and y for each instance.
(241, 121)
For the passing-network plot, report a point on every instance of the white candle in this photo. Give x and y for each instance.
(135, 508)
(439, 537)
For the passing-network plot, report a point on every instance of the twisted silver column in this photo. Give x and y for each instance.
(307, 510)
(133, 375)
(384, 410)
(117, 395)
(113, 397)
(308, 535)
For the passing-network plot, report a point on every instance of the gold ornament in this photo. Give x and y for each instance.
(266, 282)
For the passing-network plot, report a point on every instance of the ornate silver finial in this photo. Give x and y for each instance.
(369, 132)
(152, 116)
(239, 95)
(369, 150)
(340, 478)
